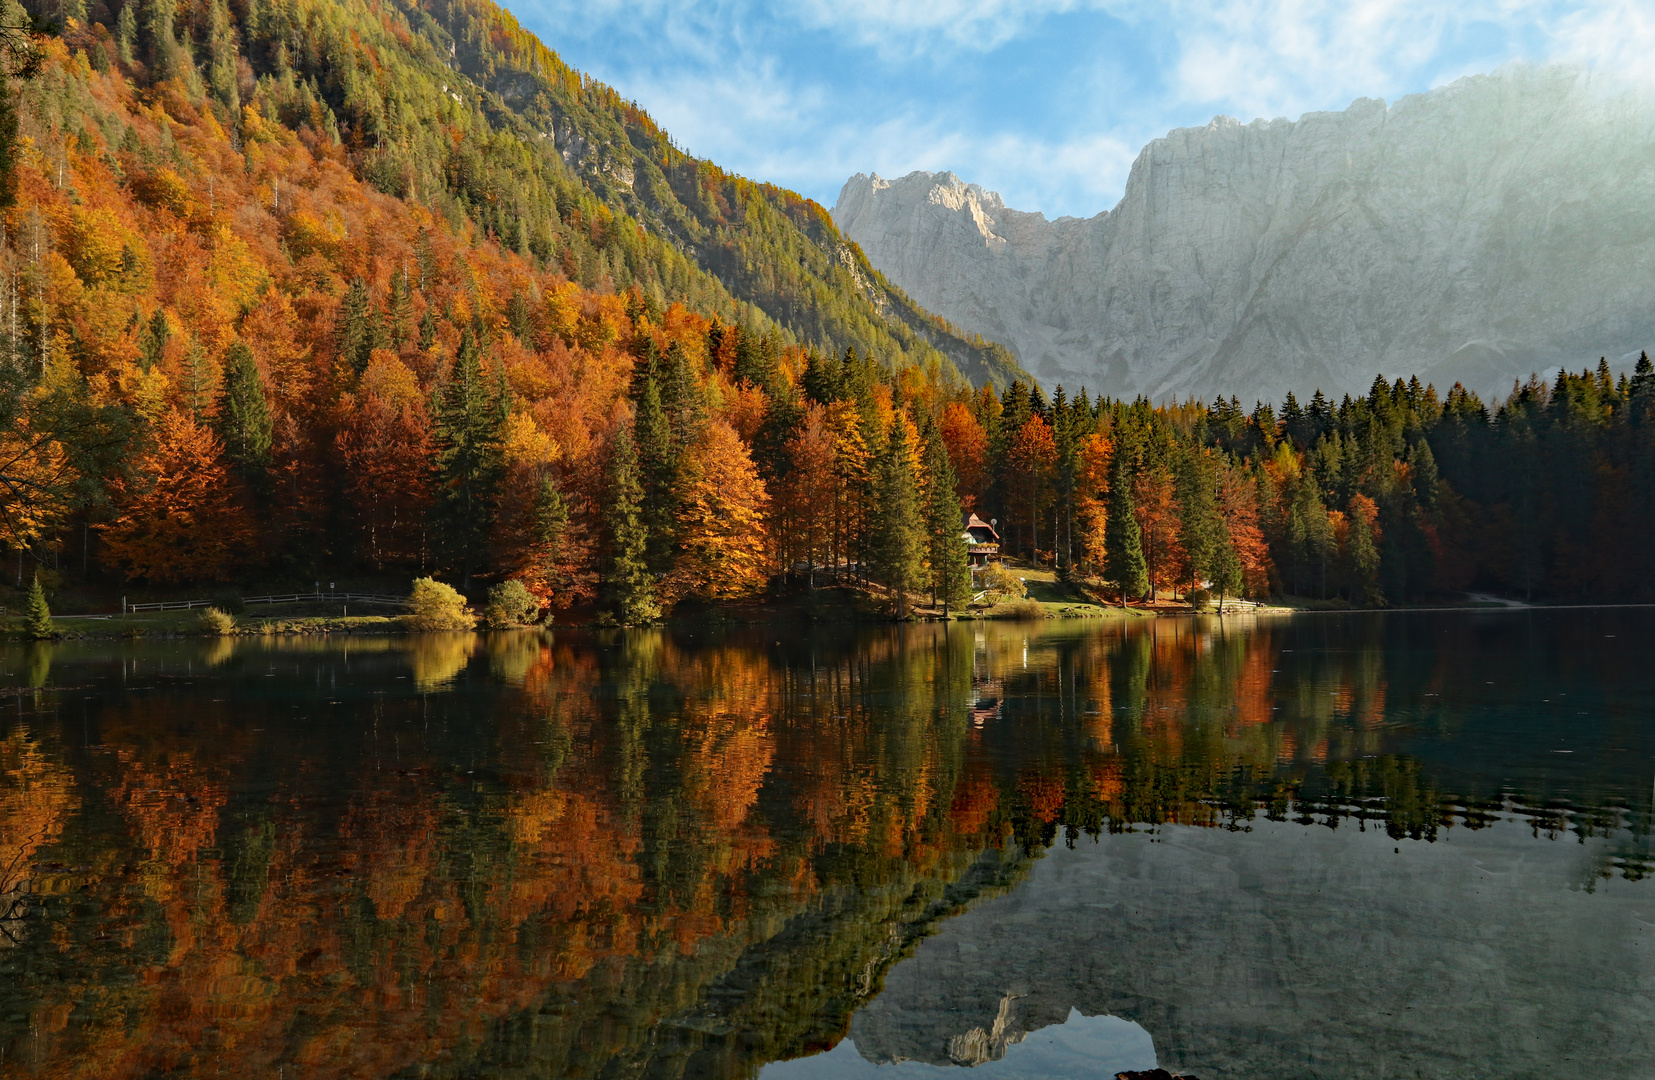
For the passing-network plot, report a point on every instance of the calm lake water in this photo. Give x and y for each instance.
(1403, 845)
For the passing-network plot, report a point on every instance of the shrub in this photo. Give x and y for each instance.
(1002, 583)
(38, 613)
(435, 606)
(1198, 598)
(1023, 609)
(214, 621)
(510, 603)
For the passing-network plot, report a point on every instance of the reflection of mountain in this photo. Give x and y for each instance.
(1303, 952)
(652, 854)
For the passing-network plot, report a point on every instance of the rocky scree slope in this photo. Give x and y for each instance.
(1501, 225)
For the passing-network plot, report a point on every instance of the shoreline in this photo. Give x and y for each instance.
(184, 624)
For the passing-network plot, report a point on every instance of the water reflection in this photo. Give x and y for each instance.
(678, 853)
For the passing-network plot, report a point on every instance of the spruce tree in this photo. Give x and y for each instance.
(427, 329)
(1201, 526)
(221, 62)
(243, 416)
(898, 543)
(126, 32)
(402, 307)
(357, 327)
(551, 525)
(628, 586)
(1123, 546)
(1226, 573)
(470, 421)
(153, 342)
(658, 460)
(944, 522)
(39, 615)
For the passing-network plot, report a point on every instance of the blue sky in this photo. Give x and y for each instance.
(1045, 101)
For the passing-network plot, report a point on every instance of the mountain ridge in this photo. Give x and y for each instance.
(1285, 255)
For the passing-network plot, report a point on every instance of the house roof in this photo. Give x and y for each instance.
(974, 523)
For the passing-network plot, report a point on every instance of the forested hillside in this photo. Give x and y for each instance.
(279, 303)
(460, 109)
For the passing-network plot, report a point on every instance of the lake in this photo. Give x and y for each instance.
(1342, 846)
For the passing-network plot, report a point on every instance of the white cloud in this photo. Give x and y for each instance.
(734, 80)
(904, 26)
(1617, 37)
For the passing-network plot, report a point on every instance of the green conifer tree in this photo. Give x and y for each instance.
(244, 416)
(427, 329)
(628, 586)
(358, 327)
(153, 342)
(1200, 525)
(126, 32)
(898, 544)
(1123, 546)
(39, 615)
(471, 419)
(944, 522)
(658, 459)
(401, 308)
(222, 56)
(551, 524)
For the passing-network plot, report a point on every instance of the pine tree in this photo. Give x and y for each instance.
(427, 329)
(358, 328)
(551, 525)
(898, 543)
(1226, 573)
(243, 416)
(944, 522)
(658, 468)
(471, 418)
(1201, 527)
(126, 32)
(38, 613)
(401, 308)
(152, 343)
(222, 56)
(628, 587)
(1123, 547)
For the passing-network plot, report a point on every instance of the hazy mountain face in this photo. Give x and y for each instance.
(1498, 226)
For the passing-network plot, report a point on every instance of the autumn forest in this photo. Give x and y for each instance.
(275, 307)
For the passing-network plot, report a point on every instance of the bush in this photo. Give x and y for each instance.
(1022, 609)
(214, 621)
(1198, 598)
(510, 603)
(1002, 583)
(435, 606)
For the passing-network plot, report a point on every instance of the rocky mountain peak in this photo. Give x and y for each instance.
(1497, 226)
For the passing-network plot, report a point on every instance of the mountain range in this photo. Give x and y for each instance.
(1499, 226)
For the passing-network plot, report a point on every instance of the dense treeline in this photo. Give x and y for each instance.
(227, 355)
(1394, 497)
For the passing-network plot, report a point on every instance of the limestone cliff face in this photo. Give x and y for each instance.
(1495, 227)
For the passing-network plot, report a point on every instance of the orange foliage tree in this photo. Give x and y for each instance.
(181, 515)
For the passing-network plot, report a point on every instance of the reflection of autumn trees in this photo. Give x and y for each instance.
(679, 852)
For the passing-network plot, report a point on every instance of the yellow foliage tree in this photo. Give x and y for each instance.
(721, 520)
